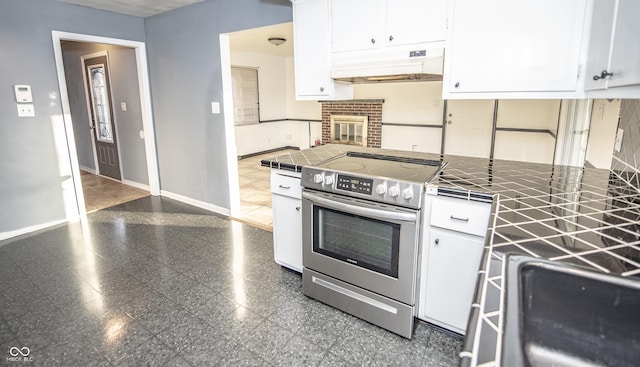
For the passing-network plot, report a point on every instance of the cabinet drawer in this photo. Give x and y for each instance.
(286, 185)
(460, 215)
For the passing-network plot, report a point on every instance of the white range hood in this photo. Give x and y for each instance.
(389, 64)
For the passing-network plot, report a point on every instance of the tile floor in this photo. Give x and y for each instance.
(156, 282)
(255, 194)
(100, 192)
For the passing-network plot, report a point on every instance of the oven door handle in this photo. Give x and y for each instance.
(359, 210)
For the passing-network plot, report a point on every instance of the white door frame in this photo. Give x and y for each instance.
(145, 100)
(229, 126)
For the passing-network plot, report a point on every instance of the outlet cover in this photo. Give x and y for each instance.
(26, 110)
(123, 106)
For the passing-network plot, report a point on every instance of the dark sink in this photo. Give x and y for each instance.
(564, 315)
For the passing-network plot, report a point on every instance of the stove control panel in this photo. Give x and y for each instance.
(354, 184)
(382, 190)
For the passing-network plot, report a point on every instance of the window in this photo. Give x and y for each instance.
(246, 106)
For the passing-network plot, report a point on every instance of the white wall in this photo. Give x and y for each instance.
(524, 146)
(540, 114)
(529, 113)
(406, 103)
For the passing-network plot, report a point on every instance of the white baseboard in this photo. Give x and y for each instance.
(90, 170)
(137, 185)
(25, 230)
(198, 203)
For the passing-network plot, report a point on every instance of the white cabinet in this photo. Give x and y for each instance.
(452, 248)
(312, 53)
(613, 45)
(369, 24)
(496, 46)
(452, 268)
(287, 219)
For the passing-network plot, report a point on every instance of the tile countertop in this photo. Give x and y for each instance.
(570, 214)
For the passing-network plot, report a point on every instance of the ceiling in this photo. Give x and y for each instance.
(138, 8)
(256, 40)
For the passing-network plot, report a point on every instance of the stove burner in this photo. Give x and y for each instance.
(398, 174)
(346, 166)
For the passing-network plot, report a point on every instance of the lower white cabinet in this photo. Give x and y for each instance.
(452, 269)
(453, 241)
(287, 219)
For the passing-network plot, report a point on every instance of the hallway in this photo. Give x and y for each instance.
(101, 192)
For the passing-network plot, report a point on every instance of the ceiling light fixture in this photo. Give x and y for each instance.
(277, 40)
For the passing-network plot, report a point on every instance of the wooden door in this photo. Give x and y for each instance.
(102, 118)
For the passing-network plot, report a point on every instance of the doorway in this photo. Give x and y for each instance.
(146, 134)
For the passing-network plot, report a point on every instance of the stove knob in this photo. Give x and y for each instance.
(394, 191)
(328, 180)
(407, 194)
(317, 178)
(381, 189)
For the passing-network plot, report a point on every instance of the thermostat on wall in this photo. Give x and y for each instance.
(23, 93)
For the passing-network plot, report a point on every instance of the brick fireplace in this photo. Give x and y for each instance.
(372, 108)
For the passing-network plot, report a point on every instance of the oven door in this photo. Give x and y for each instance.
(367, 244)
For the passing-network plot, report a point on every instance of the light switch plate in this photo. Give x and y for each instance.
(215, 107)
(618, 144)
(123, 106)
(26, 110)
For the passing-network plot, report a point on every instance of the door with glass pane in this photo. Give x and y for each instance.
(101, 114)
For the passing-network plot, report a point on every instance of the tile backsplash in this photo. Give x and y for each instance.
(626, 163)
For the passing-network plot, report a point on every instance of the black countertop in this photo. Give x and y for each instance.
(584, 216)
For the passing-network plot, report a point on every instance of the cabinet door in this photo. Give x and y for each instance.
(287, 231)
(357, 24)
(514, 46)
(599, 43)
(452, 269)
(311, 48)
(625, 53)
(415, 21)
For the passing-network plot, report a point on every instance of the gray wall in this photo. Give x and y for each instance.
(124, 88)
(30, 174)
(184, 64)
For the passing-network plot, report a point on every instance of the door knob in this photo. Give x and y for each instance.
(437, 242)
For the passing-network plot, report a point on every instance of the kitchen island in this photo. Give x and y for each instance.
(569, 214)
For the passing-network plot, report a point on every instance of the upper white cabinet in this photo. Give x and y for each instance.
(369, 24)
(496, 46)
(614, 52)
(312, 53)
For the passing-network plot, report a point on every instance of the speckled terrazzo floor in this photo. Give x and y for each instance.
(155, 282)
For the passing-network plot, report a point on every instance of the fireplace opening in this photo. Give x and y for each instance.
(350, 130)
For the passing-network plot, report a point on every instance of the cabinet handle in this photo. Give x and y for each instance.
(390, 38)
(460, 219)
(604, 75)
(373, 41)
(456, 85)
(297, 208)
(437, 241)
(321, 89)
(284, 187)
